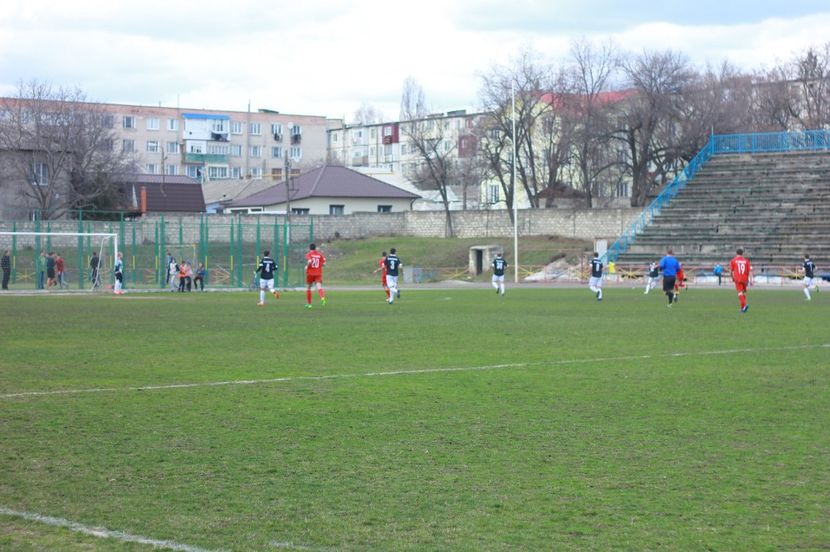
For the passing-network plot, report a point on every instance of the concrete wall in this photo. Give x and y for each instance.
(586, 224)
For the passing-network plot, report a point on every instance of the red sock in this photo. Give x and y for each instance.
(322, 293)
(308, 296)
(742, 299)
(387, 293)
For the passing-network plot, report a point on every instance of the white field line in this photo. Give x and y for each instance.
(100, 532)
(408, 372)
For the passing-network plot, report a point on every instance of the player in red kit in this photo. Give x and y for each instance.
(314, 274)
(741, 270)
(382, 268)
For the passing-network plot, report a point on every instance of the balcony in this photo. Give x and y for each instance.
(206, 158)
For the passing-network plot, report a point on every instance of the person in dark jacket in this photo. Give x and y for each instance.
(6, 265)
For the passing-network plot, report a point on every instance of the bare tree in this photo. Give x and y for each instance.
(60, 148)
(541, 132)
(589, 110)
(367, 114)
(648, 117)
(433, 145)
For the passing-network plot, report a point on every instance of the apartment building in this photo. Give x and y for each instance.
(211, 145)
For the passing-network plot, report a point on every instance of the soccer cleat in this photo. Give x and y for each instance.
(308, 305)
(676, 298)
(745, 308)
(261, 304)
(276, 294)
(323, 302)
(497, 292)
(669, 305)
(597, 294)
(398, 293)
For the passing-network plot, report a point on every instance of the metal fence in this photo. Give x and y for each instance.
(229, 251)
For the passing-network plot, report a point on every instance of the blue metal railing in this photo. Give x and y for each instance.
(672, 189)
(768, 142)
(719, 144)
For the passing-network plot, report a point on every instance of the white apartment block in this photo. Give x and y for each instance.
(386, 146)
(210, 145)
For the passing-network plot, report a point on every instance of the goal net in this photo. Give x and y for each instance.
(87, 258)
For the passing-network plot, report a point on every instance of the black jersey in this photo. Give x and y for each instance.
(392, 263)
(596, 268)
(267, 268)
(809, 268)
(653, 270)
(499, 264)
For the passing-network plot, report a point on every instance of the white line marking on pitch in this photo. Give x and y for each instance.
(100, 532)
(407, 372)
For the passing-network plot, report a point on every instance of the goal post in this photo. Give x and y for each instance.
(104, 237)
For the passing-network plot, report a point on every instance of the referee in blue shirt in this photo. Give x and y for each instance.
(669, 267)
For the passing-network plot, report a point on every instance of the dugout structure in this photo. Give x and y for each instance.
(229, 246)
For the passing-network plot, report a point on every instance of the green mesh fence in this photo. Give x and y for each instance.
(229, 247)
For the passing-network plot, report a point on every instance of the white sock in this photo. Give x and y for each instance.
(807, 292)
(262, 296)
(501, 289)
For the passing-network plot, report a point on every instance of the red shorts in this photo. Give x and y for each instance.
(740, 286)
(311, 278)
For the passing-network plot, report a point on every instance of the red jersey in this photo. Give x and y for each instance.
(314, 265)
(740, 268)
(59, 264)
(382, 266)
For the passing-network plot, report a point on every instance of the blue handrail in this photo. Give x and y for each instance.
(719, 144)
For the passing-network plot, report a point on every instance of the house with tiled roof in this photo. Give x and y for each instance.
(157, 193)
(327, 190)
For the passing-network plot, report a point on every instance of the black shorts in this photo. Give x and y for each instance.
(50, 272)
(668, 283)
(119, 276)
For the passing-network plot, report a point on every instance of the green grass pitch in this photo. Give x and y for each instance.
(452, 420)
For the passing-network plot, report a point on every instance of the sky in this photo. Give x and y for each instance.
(329, 57)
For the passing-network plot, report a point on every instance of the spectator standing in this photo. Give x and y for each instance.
(94, 266)
(718, 271)
(199, 277)
(50, 270)
(119, 275)
(59, 268)
(6, 265)
(173, 274)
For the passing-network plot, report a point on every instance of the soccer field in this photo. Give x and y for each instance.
(451, 420)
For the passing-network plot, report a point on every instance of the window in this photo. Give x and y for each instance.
(300, 211)
(152, 168)
(128, 146)
(236, 150)
(195, 148)
(217, 173)
(129, 122)
(256, 129)
(172, 147)
(296, 130)
(194, 172)
(387, 131)
(337, 209)
(373, 134)
(218, 149)
(236, 172)
(107, 121)
(152, 123)
(172, 170)
(334, 136)
(403, 149)
(276, 152)
(276, 130)
(40, 174)
(256, 151)
(219, 125)
(172, 124)
(256, 173)
(384, 208)
(152, 146)
(276, 173)
(446, 146)
(296, 153)
(493, 193)
(236, 127)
